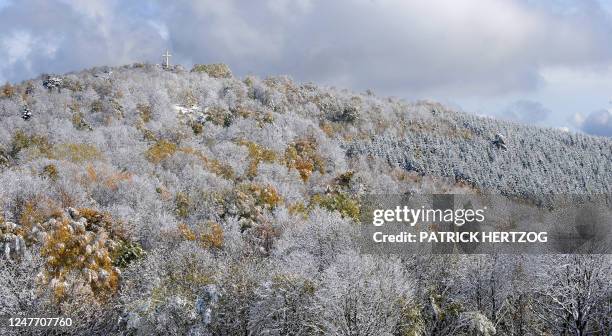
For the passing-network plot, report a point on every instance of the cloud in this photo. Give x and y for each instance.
(161, 28)
(397, 47)
(526, 111)
(60, 36)
(17, 46)
(596, 123)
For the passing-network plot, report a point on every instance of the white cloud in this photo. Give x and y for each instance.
(526, 111)
(18, 46)
(596, 123)
(161, 29)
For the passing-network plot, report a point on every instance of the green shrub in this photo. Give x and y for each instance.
(345, 205)
(126, 252)
(183, 203)
(22, 141)
(219, 116)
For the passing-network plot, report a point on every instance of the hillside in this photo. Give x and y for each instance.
(155, 201)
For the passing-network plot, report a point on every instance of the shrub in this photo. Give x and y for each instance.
(7, 90)
(250, 201)
(208, 235)
(160, 151)
(4, 160)
(197, 128)
(264, 196)
(78, 118)
(50, 171)
(212, 165)
(76, 152)
(145, 112)
(219, 116)
(340, 202)
(183, 203)
(72, 84)
(344, 179)
(257, 154)
(78, 257)
(349, 114)
(126, 252)
(97, 220)
(32, 213)
(188, 99)
(212, 237)
(297, 208)
(39, 144)
(218, 70)
(262, 118)
(109, 179)
(97, 106)
(302, 155)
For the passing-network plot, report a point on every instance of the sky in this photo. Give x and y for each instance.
(545, 62)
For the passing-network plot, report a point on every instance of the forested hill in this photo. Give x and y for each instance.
(534, 161)
(153, 201)
(424, 137)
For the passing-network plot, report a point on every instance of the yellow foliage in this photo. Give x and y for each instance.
(212, 237)
(35, 211)
(209, 235)
(297, 208)
(76, 152)
(7, 90)
(302, 155)
(261, 118)
(79, 253)
(78, 119)
(161, 150)
(265, 196)
(39, 146)
(188, 99)
(328, 128)
(186, 232)
(257, 154)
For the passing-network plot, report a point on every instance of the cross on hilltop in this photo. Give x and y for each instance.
(166, 57)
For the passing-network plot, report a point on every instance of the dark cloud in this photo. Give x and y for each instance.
(393, 46)
(597, 123)
(526, 111)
